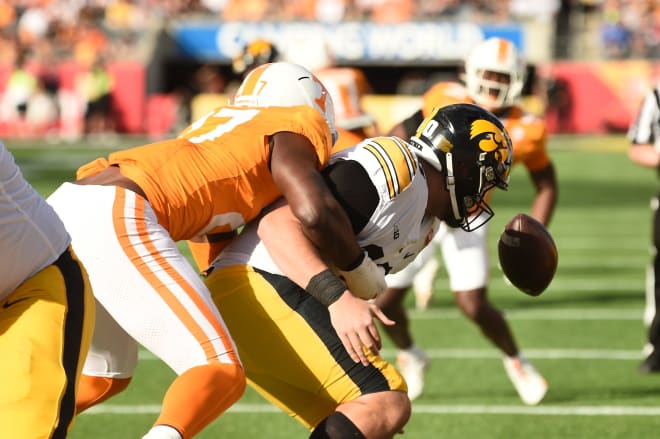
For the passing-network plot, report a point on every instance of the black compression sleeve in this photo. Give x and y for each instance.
(336, 426)
(353, 189)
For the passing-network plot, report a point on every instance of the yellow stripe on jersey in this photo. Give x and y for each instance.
(396, 160)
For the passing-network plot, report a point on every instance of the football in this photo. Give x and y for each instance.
(528, 254)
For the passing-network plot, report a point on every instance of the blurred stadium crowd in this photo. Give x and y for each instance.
(93, 33)
(80, 29)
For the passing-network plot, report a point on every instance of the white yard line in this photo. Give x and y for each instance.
(548, 354)
(540, 314)
(539, 410)
(545, 314)
(418, 408)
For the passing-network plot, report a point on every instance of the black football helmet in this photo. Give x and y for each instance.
(471, 146)
(254, 54)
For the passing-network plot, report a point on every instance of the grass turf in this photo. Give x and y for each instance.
(584, 333)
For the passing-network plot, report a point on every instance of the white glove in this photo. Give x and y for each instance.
(367, 281)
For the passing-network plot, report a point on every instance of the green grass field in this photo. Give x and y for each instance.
(584, 333)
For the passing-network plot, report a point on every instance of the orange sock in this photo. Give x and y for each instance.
(200, 395)
(94, 390)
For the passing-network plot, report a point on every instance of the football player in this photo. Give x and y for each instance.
(46, 313)
(127, 212)
(494, 78)
(347, 86)
(254, 54)
(287, 309)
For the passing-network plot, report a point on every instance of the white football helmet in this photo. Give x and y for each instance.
(496, 55)
(284, 84)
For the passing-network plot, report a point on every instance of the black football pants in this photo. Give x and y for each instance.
(654, 330)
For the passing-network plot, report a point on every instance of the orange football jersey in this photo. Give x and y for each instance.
(216, 176)
(347, 86)
(347, 139)
(527, 131)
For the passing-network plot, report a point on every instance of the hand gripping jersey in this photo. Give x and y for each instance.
(397, 229)
(215, 176)
(528, 132)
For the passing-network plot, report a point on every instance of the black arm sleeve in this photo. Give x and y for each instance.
(353, 189)
(411, 124)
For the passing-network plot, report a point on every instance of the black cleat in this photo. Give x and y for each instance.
(652, 363)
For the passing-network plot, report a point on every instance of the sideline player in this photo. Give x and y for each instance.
(127, 212)
(495, 74)
(46, 313)
(395, 195)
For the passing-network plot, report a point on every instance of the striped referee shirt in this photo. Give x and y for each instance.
(646, 129)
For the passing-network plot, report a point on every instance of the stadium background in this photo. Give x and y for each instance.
(590, 63)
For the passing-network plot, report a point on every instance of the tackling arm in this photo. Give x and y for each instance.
(293, 253)
(294, 168)
(300, 261)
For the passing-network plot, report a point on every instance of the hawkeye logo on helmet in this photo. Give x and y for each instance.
(488, 135)
(490, 138)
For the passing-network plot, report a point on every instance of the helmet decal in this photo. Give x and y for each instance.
(489, 137)
(320, 101)
(257, 46)
(249, 86)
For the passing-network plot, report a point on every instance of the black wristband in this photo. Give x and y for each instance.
(326, 287)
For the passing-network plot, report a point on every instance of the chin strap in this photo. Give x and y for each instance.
(451, 186)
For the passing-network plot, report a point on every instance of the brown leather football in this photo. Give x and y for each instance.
(528, 254)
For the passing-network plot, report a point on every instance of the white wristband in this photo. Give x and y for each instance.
(367, 281)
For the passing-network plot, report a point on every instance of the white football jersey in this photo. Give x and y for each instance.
(398, 228)
(31, 234)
